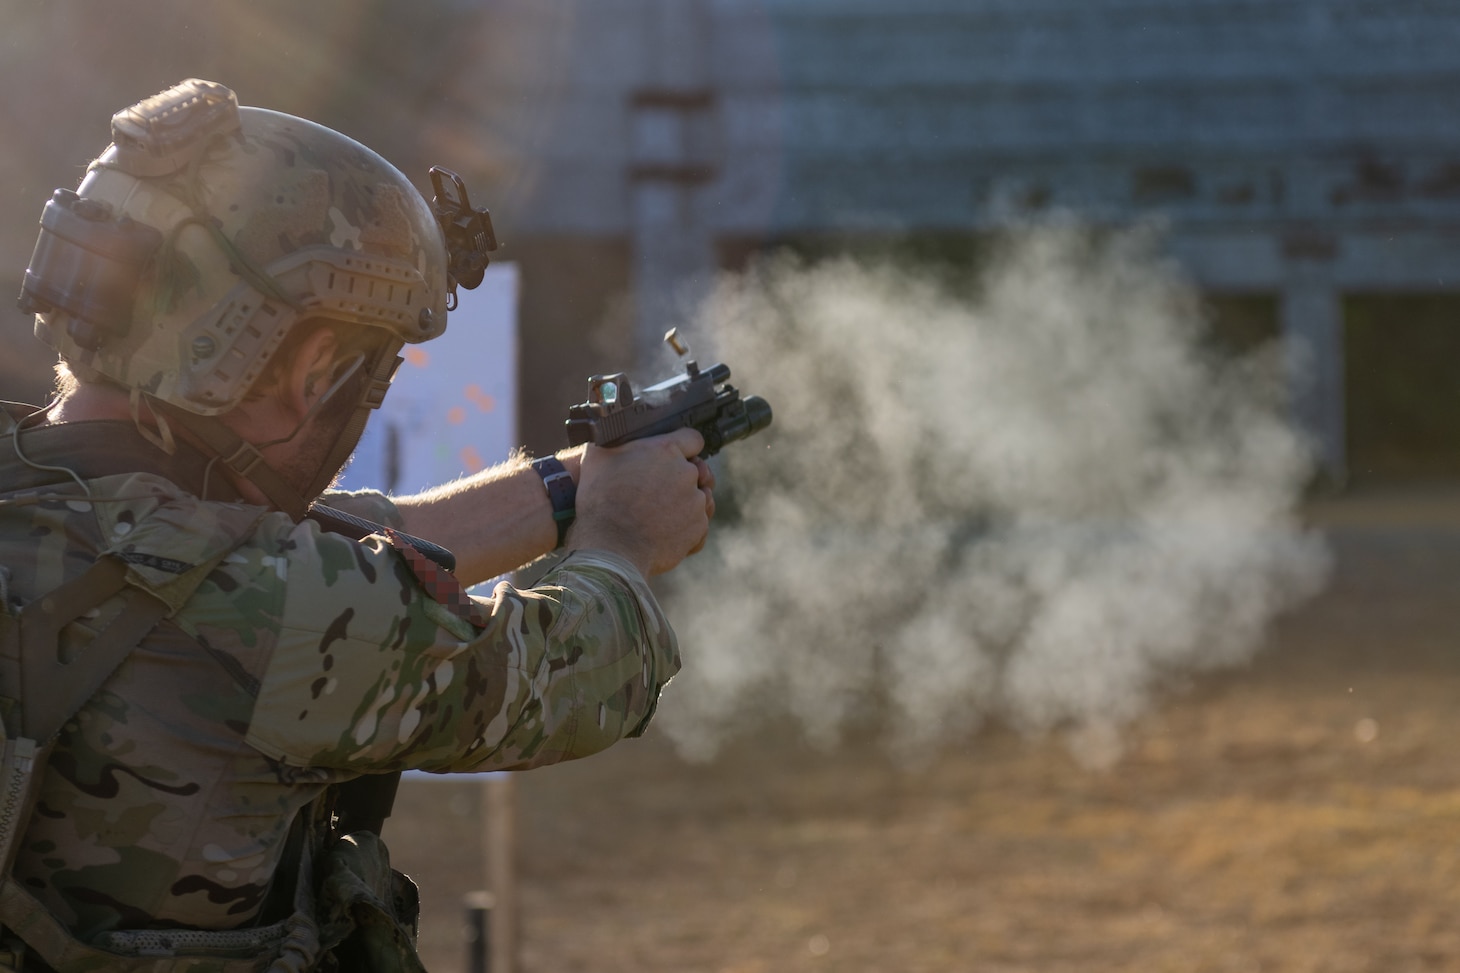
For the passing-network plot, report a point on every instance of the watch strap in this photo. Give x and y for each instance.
(561, 491)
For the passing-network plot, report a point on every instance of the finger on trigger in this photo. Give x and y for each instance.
(706, 476)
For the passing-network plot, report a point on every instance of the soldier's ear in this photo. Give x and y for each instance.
(308, 375)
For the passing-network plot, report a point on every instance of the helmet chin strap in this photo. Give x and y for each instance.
(241, 457)
(381, 371)
(246, 460)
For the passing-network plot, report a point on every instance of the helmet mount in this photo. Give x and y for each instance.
(470, 238)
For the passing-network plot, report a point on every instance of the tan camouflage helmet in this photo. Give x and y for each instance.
(206, 231)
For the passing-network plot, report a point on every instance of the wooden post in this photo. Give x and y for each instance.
(499, 843)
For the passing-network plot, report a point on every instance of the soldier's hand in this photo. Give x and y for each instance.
(649, 500)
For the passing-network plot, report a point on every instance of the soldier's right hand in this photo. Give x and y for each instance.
(649, 500)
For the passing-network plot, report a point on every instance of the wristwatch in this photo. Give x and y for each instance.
(561, 490)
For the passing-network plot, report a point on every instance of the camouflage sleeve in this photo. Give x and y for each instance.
(370, 674)
(372, 505)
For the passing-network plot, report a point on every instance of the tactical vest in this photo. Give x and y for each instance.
(350, 910)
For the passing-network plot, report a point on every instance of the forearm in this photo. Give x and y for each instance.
(648, 501)
(494, 521)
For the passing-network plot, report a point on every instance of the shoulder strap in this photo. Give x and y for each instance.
(48, 690)
(102, 447)
(53, 689)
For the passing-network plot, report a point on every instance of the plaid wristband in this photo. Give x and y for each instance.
(439, 583)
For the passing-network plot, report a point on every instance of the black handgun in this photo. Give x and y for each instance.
(700, 398)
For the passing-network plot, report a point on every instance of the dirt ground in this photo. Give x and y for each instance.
(1301, 814)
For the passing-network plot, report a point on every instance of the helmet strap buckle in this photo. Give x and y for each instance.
(245, 460)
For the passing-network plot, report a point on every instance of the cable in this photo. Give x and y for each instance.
(20, 453)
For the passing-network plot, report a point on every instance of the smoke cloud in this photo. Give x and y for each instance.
(1037, 496)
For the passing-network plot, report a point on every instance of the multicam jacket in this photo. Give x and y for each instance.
(290, 660)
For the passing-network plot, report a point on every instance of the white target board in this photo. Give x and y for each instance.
(452, 409)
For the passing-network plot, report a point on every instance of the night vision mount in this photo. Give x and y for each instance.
(88, 258)
(469, 234)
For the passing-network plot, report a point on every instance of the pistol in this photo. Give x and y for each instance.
(700, 398)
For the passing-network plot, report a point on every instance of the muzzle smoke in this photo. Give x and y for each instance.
(1041, 504)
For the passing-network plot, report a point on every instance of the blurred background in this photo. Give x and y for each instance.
(1305, 152)
(1294, 169)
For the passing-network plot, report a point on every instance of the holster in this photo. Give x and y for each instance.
(369, 912)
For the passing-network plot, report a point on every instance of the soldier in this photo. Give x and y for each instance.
(189, 665)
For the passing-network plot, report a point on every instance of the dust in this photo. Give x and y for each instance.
(1037, 495)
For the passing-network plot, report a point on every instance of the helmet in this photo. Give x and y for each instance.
(206, 232)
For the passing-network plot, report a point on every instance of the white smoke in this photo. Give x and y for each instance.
(1039, 499)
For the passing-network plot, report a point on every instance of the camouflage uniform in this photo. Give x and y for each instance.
(291, 660)
(286, 660)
